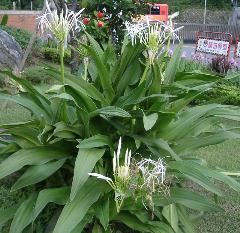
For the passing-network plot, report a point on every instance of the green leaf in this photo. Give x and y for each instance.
(133, 97)
(98, 140)
(97, 229)
(55, 195)
(103, 73)
(74, 211)
(149, 121)
(85, 162)
(7, 214)
(110, 111)
(195, 175)
(192, 200)
(23, 216)
(35, 156)
(172, 66)
(170, 213)
(102, 213)
(36, 174)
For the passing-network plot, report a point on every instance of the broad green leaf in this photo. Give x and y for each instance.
(26, 137)
(203, 140)
(110, 111)
(192, 200)
(23, 216)
(217, 175)
(85, 162)
(172, 66)
(9, 148)
(102, 213)
(7, 214)
(132, 221)
(35, 156)
(74, 211)
(87, 219)
(149, 121)
(98, 140)
(97, 229)
(103, 73)
(26, 100)
(36, 96)
(170, 213)
(55, 195)
(35, 174)
(133, 97)
(194, 174)
(185, 220)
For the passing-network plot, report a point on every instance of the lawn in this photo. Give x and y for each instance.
(226, 156)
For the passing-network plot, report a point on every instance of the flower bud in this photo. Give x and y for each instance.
(100, 24)
(86, 21)
(100, 15)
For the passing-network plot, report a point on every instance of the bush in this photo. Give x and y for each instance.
(192, 65)
(224, 93)
(36, 75)
(52, 54)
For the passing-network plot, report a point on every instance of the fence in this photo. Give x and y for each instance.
(21, 5)
(188, 33)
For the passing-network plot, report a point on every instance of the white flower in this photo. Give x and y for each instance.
(121, 171)
(60, 25)
(154, 172)
(102, 177)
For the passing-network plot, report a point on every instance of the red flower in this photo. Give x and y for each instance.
(100, 15)
(100, 24)
(86, 21)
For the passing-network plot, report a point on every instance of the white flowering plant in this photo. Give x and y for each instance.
(66, 151)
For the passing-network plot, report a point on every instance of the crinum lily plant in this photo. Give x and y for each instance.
(147, 184)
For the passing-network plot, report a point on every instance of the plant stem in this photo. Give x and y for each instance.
(62, 62)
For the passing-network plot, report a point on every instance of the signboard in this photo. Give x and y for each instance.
(237, 53)
(213, 46)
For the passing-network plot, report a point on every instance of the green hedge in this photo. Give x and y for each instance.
(224, 93)
(52, 54)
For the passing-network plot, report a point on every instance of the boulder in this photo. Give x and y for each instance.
(10, 52)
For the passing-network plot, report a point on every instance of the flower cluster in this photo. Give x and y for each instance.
(60, 25)
(129, 178)
(99, 23)
(153, 36)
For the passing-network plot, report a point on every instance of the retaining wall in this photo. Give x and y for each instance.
(21, 19)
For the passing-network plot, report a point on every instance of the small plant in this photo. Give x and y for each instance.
(220, 64)
(4, 20)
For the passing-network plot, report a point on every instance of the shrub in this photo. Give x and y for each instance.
(223, 92)
(76, 128)
(4, 20)
(52, 54)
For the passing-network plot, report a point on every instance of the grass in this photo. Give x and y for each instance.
(226, 156)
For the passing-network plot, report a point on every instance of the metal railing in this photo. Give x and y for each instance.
(18, 5)
(188, 33)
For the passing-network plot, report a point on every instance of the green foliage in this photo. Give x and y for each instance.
(225, 92)
(192, 65)
(75, 129)
(52, 54)
(4, 20)
(20, 35)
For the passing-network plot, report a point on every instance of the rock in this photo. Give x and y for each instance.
(10, 52)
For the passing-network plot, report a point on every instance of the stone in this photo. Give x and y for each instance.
(11, 52)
